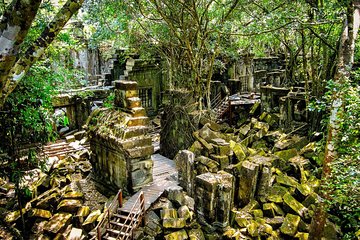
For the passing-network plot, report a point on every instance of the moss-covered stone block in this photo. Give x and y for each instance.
(239, 150)
(57, 223)
(291, 203)
(286, 154)
(174, 223)
(290, 225)
(179, 235)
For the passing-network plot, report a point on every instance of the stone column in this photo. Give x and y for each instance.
(137, 145)
(185, 164)
(214, 197)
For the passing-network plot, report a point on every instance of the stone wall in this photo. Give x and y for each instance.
(78, 104)
(121, 149)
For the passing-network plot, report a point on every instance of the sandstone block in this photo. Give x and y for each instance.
(69, 205)
(223, 160)
(174, 222)
(57, 223)
(291, 203)
(185, 163)
(179, 235)
(248, 175)
(40, 213)
(290, 225)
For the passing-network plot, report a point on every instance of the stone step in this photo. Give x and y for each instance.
(138, 112)
(126, 85)
(140, 151)
(119, 225)
(133, 102)
(115, 233)
(135, 131)
(137, 142)
(138, 121)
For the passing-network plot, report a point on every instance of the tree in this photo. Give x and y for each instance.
(345, 62)
(14, 26)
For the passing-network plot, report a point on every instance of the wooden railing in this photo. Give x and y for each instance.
(134, 219)
(105, 222)
(216, 104)
(216, 101)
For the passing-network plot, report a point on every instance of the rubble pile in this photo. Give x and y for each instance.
(252, 182)
(60, 207)
(171, 218)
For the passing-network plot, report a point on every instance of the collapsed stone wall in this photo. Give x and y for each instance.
(253, 181)
(121, 149)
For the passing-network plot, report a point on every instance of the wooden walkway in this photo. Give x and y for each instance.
(164, 176)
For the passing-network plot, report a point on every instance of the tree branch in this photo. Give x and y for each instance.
(14, 26)
(35, 51)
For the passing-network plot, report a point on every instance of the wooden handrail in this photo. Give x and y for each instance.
(134, 218)
(115, 203)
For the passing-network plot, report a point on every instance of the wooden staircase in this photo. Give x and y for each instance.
(220, 106)
(120, 224)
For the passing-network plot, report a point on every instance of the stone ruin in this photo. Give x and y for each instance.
(251, 182)
(121, 149)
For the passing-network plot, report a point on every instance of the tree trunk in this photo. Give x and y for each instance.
(14, 25)
(346, 59)
(34, 52)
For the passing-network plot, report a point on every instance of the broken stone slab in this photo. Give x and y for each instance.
(290, 225)
(73, 195)
(264, 183)
(82, 213)
(291, 203)
(295, 141)
(196, 234)
(207, 146)
(207, 134)
(312, 198)
(239, 150)
(175, 223)
(223, 160)
(275, 222)
(248, 140)
(253, 204)
(176, 195)
(286, 180)
(253, 228)
(39, 213)
(245, 129)
(168, 213)
(185, 213)
(90, 221)
(212, 165)
(69, 205)
(179, 235)
(70, 139)
(302, 236)
(286, 154)
(214, 197)
(196, 148)
(242, 218)
(75, 234)
(221, 147)
(257, 213)
(248, 175)
(57, 223)
(185, 163)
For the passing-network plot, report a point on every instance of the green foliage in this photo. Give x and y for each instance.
(343, 185)
(109, 102)
(26, 119)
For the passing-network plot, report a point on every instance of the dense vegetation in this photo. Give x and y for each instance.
(195, 38)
